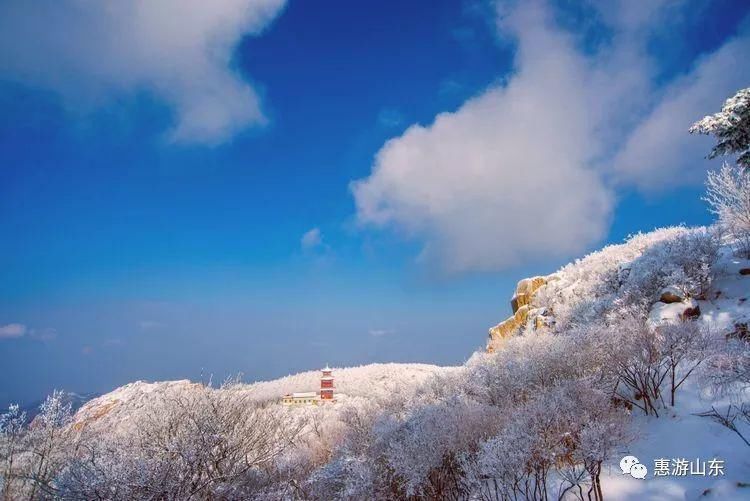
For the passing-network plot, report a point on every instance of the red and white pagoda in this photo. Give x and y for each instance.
(326, 384)
(311, 397)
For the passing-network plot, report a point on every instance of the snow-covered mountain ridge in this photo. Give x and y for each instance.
(615, 354)
(120, 407)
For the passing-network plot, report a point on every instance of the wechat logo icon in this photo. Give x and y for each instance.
(631, 466)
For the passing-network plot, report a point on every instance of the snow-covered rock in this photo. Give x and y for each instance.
(671, 294)
(673, 312)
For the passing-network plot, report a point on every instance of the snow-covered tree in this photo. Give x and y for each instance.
(685, 345)
(729, 375)
(566, 430)
(731, 127)
(202, 444)
(424, 451)
(12, 428)
(728, 194)
(630, 275)
(49, 442)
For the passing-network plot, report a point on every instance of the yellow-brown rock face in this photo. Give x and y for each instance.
(508, 328)
(525, 291)
(522, 312)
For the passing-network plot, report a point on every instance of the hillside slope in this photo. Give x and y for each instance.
(681, 433)
(549, 410)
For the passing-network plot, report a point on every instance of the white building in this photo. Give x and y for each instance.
(301, 398)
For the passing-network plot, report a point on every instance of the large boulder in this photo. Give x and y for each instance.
(540, 318)
(671, 294)
(525, 291)
(523, 313)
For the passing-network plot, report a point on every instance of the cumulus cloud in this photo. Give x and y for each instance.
(311, 239)
(527, 170)
(11, 331)
(506, 178)
(178, 50)
(659, 153)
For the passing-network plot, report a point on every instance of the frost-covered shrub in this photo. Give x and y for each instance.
(728, 374)
(729, 368)
(357, 467)
(528, 365)
(33, 455)
(345, 477)
(570, 426)
(646, 363)
(423, 452)
(685, 345)
(203, 444)
(12, 428)
(683, 261)
(630, 275)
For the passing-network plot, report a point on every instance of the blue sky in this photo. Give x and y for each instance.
(157, 183)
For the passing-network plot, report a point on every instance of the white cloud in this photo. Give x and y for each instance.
(178, 50)
(507, 177)
(12, 331)
(380, 332)
(526, 171)
(660, 153)
(311, 239)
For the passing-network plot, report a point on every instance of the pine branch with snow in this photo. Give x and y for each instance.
(731, 127)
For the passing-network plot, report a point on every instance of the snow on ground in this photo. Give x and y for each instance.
(680, 433)
(728, 303)
(119, 408)
(677, 435)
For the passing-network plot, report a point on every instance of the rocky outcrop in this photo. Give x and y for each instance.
(523, 312)
(507, 328)
(525, 290)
